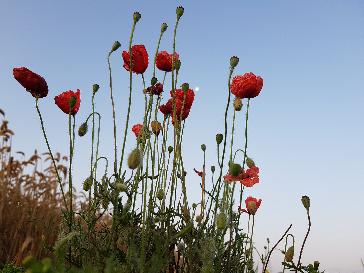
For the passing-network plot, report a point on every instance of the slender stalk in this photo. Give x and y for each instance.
(304, 241)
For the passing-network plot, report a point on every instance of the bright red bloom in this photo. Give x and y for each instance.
(156, 89)
(246, 86)
(137, 128)
(251, 177)
(164, 60)
(64, 99)
(189, 98)
(167, 108)
(252, 204)
(31, 81)
(139, 60)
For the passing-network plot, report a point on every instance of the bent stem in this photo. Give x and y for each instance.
(304, 241)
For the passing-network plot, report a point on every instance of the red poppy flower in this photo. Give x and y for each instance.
(167, 108)
(252, 204)
(31, 81)
(64, 99)
(180, 95)
(139, 60)
(164, 60)
(251, 177)
(137, 128)
(156, 89)
(246, 86)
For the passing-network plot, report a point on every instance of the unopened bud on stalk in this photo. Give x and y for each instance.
(115, 46)
(179, 11)
(185, 87)
(153, 81)
(221, 221)
(87, 184)
(199, 218)
(82, 130)
(234, 61)
(177, 65)
(219, 138)
(136, 17)
(316, 265)
(121, 186)
(212, 169)
(95, 88)
(156, 127)
(249, 162)
(160, 194)
(134, 159)
(234, 169)
(288, 256)
(170, 149)
(306, 202)
(164, 27)
(238, 104)
(203, 147)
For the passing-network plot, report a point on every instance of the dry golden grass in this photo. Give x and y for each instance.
(30, 206)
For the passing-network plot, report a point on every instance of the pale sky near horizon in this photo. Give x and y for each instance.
(306, 131)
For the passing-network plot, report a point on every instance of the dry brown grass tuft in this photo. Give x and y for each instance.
(30, 205)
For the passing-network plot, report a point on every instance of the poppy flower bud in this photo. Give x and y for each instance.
(185, 87)
(306, 202)
(134, 159)
(82, 130)
(234, 169)
(316, 265)
(203, 147)
(156, 127)
(221, 221)
(179, 11)
(153, 81)
(238, 104)
(170, 149)
(249, 162)
(121, 186)
(95, 88)
(177, 65)
(136, 17)
(219, 138)
(213, 169)
(115, 46)
(87, 184)
(160, 194)
(164, 27)
(288, 256)
(234, 61)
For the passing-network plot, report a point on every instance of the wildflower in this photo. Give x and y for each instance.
(139, 59)
(250, 177)
(156, 127)
(186, 96)
(32, 82)
(199, 173)
(68, 101)
(246, 86)
(155, 89)
(164, 61)
(252, 204)
(137, 129)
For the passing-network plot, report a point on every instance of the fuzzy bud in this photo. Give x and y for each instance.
(136, 17)
(82, 130)
(179, 11)
(249, 162)
(306, 202)
(177, 65)
(194, 205)
(121, 186)
(234, 61)
(288, 256)
(185, 87)
(153, 81)
(134, 159)
(212, 169)
(87, 184)
(156, 127)
(221, 221)
(316, 265)
(219, 138)
(115, 46)
(203, 147)
(234, 169)
(95, 88)
(170, 149)
(238, 104)
(160, 194)
(164, 27)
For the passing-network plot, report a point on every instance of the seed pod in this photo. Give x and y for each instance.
(87, 184)
(170, 149)
(185, 87)
(134, 159)
(238, 104)
(95, 88)
(212, 169)
(179, 11)
(288, 256)
(115, 46)
(306, 202)
(234, 61)
(164, 27)
(219, 138)
(120, 186)
(156, 127)
(136, 16)
(203, 147)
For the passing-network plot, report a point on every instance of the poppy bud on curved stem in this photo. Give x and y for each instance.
(95, 88)
(219, 138)
(306, 202)
(164, 27)
(234, 61)
(134, 159)
(82, 130)
(115, 46)
(136, 17)
(288, 256)
(179, 11)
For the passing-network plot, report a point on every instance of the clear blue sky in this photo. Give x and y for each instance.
(306, 128)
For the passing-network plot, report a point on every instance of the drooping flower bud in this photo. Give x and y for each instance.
(179, 11)
(82, 130)
(156, 127)
(160, 194)
(234, 169)
(203, 147)
(221, 221)
(95, 88)
(288, 256)
(115, 46)
(234, 61)
(249, 162)
(170, 149)
(238, 104)
(134, 159)
(219, 138)
(164, 27)
(87, 184)
(306, 202)
(136, 17)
